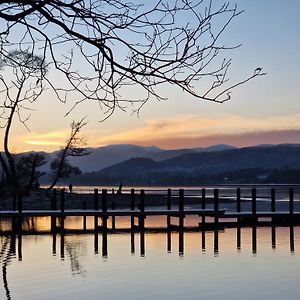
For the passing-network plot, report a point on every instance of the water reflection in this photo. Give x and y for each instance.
(73, 248)
(8, 251)
(69, 248)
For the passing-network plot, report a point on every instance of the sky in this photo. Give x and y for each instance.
(263, 111)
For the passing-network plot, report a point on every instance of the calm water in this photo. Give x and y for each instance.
(247, 263)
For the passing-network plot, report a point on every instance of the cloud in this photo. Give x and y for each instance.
(182, 132)
(42, 140)
(187, 131)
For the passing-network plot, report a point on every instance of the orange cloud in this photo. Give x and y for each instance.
(186, 131)
(46, 141)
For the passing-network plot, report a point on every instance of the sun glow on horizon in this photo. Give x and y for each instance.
(43, 143)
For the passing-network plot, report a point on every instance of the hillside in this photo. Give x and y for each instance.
(256, 161)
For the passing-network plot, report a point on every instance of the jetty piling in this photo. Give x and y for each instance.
(96, 206)
(169, 206)
(238, 200)
(273, 196)
(208, 209)
(253, 195)
(291, 201)
(142, 210)
(203, 195)
(181, 208)
(132, 205)
(216, 206)
(104, 209)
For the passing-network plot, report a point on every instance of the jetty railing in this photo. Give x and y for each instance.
(214, 206)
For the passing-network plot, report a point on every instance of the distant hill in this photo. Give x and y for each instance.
(203, 164)
(145, 165)
(103, 157)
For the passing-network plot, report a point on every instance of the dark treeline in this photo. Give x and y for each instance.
(243, 176)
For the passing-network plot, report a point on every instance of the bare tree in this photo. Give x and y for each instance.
(75, 146)
(21, 84)
(106, 49)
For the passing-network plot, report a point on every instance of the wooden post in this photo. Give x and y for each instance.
(273, 206)
(253, 193)
(238, 200)
(291, 202)
(104, 209)
(203, 204)
(132, 207)
(142, 210)
(181, 200)
(62, 209)
(62, 200)
(216, 205)
(104, 200)
(96, 199)
(181, 208)
(169, 206)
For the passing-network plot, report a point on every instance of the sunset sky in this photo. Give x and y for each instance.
(265, 110)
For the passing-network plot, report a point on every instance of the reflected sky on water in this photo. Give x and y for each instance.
(233, 263)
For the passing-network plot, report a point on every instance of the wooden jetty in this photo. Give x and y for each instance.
(140, 213)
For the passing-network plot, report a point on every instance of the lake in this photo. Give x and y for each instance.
(230, 263)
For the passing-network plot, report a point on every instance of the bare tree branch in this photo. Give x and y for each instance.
(119, 53)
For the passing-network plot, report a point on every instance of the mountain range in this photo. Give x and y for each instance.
(134, 164)
(103, 157)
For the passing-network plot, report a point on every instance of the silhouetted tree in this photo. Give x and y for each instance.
(27, 169)
(108, 49)
(75, 146)
(21, 84)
